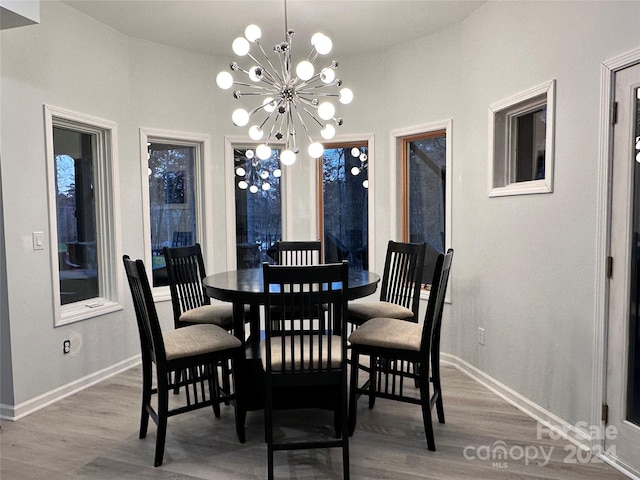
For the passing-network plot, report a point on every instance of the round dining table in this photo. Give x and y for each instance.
(246, 287)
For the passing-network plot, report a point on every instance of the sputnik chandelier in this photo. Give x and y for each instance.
(290, 99)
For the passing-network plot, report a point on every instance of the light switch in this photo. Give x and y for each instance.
(38, 240)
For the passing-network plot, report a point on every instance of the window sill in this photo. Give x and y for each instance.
(84, 310)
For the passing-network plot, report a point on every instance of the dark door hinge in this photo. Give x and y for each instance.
(605, 413)
(614, 113)
(609, 267)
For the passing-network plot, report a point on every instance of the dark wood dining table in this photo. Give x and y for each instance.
(246, 287)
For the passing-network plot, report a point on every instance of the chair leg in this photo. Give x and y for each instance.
(344, 431)
(216, 390)
(146, 397)
(437, 391)
(161, 435)
(425, 402)
(353, 394)
(372, 380)
(268, 432)
(226, 385)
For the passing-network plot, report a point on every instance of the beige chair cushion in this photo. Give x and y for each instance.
(366, 310)
(276, 351)
(196, 340)
(388, 333)
(220, 314)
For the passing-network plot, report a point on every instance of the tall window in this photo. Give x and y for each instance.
(82, 169)
(172, 211)
(258, 206)
(424, 193)
(344, 204)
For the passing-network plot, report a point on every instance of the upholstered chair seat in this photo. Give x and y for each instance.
(389, 333)
(197, 340)
(360, 312)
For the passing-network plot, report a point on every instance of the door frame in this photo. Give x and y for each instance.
(608, 72)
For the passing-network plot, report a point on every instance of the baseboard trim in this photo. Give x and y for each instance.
(533, 410)
(16, 412)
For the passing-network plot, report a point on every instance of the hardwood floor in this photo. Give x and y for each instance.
(94, 435)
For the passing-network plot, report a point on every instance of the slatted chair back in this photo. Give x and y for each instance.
(185, 269)
(402, 275)
(430, 343)
(299, 252)
(151, 341)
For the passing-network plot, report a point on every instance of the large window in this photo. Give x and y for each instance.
(344, 203)
(424, 168)
(83, 212)
(173, 164)
(258, 206)
(172, 211)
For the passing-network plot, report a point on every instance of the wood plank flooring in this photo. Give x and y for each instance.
(94, 435)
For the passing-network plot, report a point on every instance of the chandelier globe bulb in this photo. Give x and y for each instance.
(253, 189)
(255, 74)
(252, 33)
(321, 43)
(263, 151)
(346, 96)
(365, 183)
(249, 154)
(242, 185)
(269, 104)
(266, 186)
(315, 150)
(355, 152)
(241, 172)
(287, 157)
(240, 117)
(224, 80)
(355, 171)
(277, 173)
(255, 132)
(240, 46)
(326, 110)
(327, 75)
(328, 131)
(305, 70)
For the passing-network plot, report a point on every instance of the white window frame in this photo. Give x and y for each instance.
(107, 204)
(502, 141)
(396, 139)
(201, 143)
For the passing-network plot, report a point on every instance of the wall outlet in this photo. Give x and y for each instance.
(481, 336)
(66, 346)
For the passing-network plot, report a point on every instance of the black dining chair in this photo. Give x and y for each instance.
(299, 252)
(401, 355)
(189, 302)
(400, 287)
(185, 357)
(304, 351)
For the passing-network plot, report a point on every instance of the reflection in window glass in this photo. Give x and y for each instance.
(425, 176)
(75, 215)
(345, 204)
(258, 207)
(172, 202)
(531, 139)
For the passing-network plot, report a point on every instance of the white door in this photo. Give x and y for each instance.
(622, 435)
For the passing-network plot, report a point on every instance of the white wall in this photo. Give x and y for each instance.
(523, 268)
